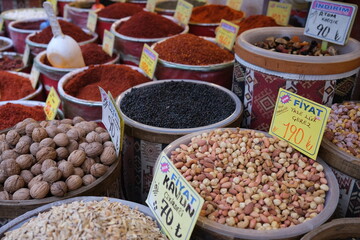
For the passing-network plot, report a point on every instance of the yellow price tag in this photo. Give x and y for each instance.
(91, 21)
(234, 4)
(174, 202)
(108, 42)
(54, 5)
(280, 12)
(299, 121)
(150, 5)
(52, 104)
(226, 34)
(148, 61)
(34, 76)
(183, 11)
(1, 23)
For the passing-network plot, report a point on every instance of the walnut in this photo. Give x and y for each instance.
(4, 195)
(47, 142)
(29, 120)
(51, 131)
(20, 127)
(10, 167)
(73, 134)
(34, 148)
(30, 127)
(100, 130)
(108, 144)
(45, 153)
(93, 149)
(39, 190)
(66, 169)
(58, 189)
(2, 137)
(22, 194)
(61, 139)
(36, 169)
(108, 156)
(10, 153)
(93, 137)
(3, 175)
(26, 175)
(36, 179)
(53, 123)
(73, 145)
(62, 153)
(48, 163)
(44, 124)
(77, 119)
(61, 161)
(13, 183)
(39, 134)
(98, 169)
(22, 147)
(87, 126)
(12, 137)
(87, 165)
(78, 171)
(66, 121)
(73, 182)
(25, 161)
(83, 145)
(52, 174)
(88, 179)
(77, 157)
(105, 136)
(64, 127)
(3, 147)
(26, 139)
(81, 132)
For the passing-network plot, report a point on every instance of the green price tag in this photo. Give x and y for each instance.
(226, 34)
(52, 104)
(234, 4)
(299, 121)
(108, 42)
(91, 21)
(148, 61)
(183, 11)
(280, 12)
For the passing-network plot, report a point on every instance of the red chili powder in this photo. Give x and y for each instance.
(14, 87)
(11, 114)
(256, 21)
(213, 13)
(149, 25)
(192, 50)
(112, 77)
(29, 25)
(119, 10)
(67, 28)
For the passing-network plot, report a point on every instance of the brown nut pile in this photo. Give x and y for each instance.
(343, 127)
(40, 159)
(295, 46)
(252, 181)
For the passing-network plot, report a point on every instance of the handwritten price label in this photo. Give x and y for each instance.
(174, 202)
(299, 121)
(91, 21)
(108, 42)
(52, 104)
(226, 34)
(150, 5)
(280, 12)
(26, 55)
(330, 21)
(148, 61)
(183, 11)
(34, 76)
(234, 4)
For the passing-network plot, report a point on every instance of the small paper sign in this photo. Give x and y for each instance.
(280, 12)
(234, 4)
(1, 23)
(52, 104)
(26, 55)
(111, 119)
(108, 42)
(91, 21)
(150, 5)
(148, 61)
(330, 21)
(299, 121)
(54, 5)
(183, 11)
(173, 201)
(34, 76)
(226, 34)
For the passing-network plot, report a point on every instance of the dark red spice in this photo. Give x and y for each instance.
(10, 63)
(28, 25)
(119, 10)
(214, 13)
(67, 28)
(112, 77)
(192, 50)
(11, 114)
(149, 25)
(13, 86)
(256, 21)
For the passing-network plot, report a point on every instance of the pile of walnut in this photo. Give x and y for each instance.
(40, 159)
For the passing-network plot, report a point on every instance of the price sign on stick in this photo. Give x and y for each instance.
(1, 23)
(183, 11)
(299, 121)
(148, 61)
(108, 42)
(280, 12)
(174, 202)
(54, 5)
(52, 104)
(26, 55)
(34, 76)
(226, 34)
(330, 21)
(91, 21)
(150, 5)
(234, 4)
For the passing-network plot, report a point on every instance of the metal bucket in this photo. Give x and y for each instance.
(130, 48)
(143, 143)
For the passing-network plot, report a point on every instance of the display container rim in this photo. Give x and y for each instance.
(4, 13)
(14, 54)
(19, 30)
(9, 42)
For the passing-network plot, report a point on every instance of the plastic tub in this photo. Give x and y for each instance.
(18, 57)
(61, 6)
(102, 25)
(140, 3)
(8, 44)
(130, 48)
(168, 7)
(220, 74)
(76, 15)
(208, 229)
(259, 73)
(143, 143)
(50, 76)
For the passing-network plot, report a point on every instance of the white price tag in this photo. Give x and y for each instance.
(330, 21)
(34, 76)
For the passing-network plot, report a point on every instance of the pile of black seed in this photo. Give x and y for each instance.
(177, 105)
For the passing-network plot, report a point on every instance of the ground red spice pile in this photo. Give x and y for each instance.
(29, 25)
(213, 13)
(67, 28)
(149, 25)
(14, 87)
(192, 50)
(119, 10)
(113, 78)
(11, 114)
(256, 21)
